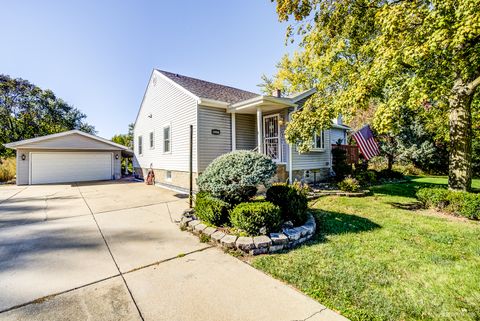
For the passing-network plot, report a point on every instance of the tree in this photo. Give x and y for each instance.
(419, 54)
(27, 111)
(125, 139)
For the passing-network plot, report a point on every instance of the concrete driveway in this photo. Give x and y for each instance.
(112, 251)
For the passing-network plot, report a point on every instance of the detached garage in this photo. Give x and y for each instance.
(71, 156)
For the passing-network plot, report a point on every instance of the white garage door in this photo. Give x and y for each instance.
(60, 167)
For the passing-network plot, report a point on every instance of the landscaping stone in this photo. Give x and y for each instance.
(228, 241)
(192, 224)
(262, 241)
(276, 248)
(209, 231)
(278, 238)
(292, 233)
(301, 240)
(310, 228)
(262, 250)
(303, 231)
(217, 236)
(245, 243)
(197, 229)
(184, 221)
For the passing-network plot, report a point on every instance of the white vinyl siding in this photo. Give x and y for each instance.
(211, 146)
(167, 104)
(313, 159)
(246, 131)
(336, 134)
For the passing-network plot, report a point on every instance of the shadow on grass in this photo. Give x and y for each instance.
(335, 223)
(403, 189)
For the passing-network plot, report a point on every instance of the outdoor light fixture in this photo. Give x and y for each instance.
(24, 157)
(116, 156)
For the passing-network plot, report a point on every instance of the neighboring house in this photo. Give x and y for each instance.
(70, 156)
(223, 119)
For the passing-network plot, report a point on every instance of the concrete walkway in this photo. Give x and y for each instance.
(111, 251)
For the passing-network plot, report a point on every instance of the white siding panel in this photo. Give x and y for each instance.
(166, 104)
(246, 131)
(337, 134)
(313, 159)
(73, 141)
(211, 146)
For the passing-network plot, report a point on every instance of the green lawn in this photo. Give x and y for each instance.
(374, 258)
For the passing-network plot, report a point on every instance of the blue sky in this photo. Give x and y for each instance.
(98, 55)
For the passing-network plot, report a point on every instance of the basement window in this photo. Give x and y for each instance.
(168, 176)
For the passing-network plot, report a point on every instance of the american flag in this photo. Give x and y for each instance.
(366, 142)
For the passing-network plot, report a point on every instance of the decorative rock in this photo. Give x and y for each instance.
(276, 248)
(188, 212)
(192, 224)
(292, 233)
(245, 243)
(262, 250)
(301, 240)
(278, 238)
(228, 241)
(184, 221)
(262, 241)
(217, 236)
(209, 231)
(310, 228)
(197, 229)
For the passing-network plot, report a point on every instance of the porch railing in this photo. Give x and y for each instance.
(353, 152)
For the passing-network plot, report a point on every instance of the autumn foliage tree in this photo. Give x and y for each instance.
(419, 54)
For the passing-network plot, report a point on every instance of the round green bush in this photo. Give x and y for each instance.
(368, 177)
(252, 217)
(234, 177)
(433, 197)
(292, 201)
(349, 184)
(456, 202)
(211, 209)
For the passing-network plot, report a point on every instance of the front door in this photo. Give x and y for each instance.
(271, 134)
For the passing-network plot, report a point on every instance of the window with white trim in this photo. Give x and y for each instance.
(319, 140)
(140, 145)
(152, 140)
(167, 140)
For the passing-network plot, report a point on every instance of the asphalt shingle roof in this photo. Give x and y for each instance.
(210, 90)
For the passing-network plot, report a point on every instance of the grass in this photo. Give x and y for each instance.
(7, 169)
(375, 258)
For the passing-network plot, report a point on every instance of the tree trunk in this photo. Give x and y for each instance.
(460, 163)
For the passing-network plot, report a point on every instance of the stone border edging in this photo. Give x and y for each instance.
(338, 193)
(262, 244)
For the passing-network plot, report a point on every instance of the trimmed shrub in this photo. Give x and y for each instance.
(211, 209)
(368, 177)
(460, 203)
(234, 177)
(252, 217)
(339, 164)
(433, 197)
(292, 201)
(349, 184)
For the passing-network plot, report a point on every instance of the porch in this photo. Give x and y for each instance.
(259, 124)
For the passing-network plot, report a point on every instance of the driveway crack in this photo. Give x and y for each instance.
(111, 254)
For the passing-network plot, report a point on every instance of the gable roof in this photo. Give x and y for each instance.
(14, 145)
(209, 90)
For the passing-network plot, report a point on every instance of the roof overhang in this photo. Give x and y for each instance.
(26, 142)
(303, 95)
(212, 103)
(264, 102)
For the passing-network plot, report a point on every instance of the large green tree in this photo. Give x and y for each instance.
(27, 111)
(423, 55)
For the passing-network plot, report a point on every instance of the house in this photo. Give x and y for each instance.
(224, 119)
(70, 156)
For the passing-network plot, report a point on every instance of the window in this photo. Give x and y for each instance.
(166, 139)
(168, 175)
(152, 140)
(140, 145)
(319, 140)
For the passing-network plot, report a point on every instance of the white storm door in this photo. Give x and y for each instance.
(271, 136)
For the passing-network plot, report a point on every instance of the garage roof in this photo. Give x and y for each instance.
(45, 142)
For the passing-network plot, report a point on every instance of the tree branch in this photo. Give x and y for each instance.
(473, 85)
